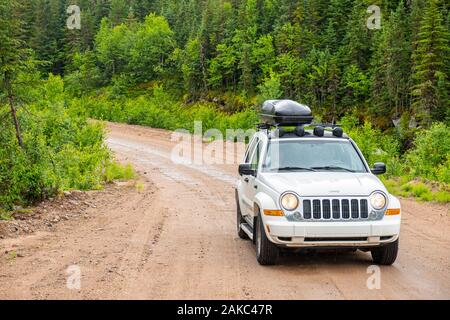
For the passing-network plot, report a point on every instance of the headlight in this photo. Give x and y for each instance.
(289, 201)
(378, 200)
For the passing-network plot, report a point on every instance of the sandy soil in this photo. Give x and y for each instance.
(173, 237)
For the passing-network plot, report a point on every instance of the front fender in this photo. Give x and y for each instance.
(263, 201)
(394, 203)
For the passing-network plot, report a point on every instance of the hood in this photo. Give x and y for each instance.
(310, 184)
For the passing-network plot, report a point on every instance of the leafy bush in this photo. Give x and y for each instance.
(62, 151)
(134, 53)
(442, 196)
(430, 156)
(376, 146)
(160, 110)
(427, 160)
(116, 171)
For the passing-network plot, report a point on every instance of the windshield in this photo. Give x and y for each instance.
(313, 155)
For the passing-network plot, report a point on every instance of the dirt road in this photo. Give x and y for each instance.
(173, 237)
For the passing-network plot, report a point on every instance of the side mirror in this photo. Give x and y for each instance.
(379, 168)
(246, 170)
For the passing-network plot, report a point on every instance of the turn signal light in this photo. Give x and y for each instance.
(274, 213)
(393, 212)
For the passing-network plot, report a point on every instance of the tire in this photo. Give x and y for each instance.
(267, 253)
(239, 221)
(385, 255)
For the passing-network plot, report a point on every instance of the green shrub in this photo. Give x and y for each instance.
(160, 110)
(429, 158)
(61, 151)
(116, 171)
(421, 191)
(442, 196)
(376, 146)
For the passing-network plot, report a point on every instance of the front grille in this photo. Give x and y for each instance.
(335, 209)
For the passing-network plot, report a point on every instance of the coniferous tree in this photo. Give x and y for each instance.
(391, 66)
(118, 12)
(142, 8)
(13, 57)
(431, 58)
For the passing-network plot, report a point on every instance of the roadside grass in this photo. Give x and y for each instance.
(6, 215)
(139, 186)
(419, 190)
(117, 171)
(12, 255)
(113, 171)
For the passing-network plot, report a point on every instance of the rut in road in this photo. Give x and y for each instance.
(176, 239)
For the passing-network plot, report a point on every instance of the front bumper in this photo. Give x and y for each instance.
(333, 234)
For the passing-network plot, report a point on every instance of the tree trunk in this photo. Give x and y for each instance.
(13, 110)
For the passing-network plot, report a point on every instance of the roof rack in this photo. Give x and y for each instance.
(326, 125)
(268, 126)
(299, 131)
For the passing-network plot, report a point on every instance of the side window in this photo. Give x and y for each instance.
(251, 150)
(256, 155)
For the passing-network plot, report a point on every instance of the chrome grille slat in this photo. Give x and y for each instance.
(326, 209)
(317, 214)
(307, 209)
(364, 209)
(337, 209)
(355, 209)
(345, 209)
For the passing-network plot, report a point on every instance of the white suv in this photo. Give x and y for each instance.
(312, 188)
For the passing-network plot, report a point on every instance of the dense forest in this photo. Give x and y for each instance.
(166, 63)
(320, 52)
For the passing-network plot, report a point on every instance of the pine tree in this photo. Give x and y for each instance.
(142, 8)
(13, 56)
(119, 11)
(430, 59)
(337, 15)
(194, 82)
(391, 66)
(357, 39)
(101, 10)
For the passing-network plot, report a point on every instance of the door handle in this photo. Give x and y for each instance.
(246, 180)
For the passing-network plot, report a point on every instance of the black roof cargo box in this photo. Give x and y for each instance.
(285, 113)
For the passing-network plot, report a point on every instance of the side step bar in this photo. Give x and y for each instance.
(248, 230)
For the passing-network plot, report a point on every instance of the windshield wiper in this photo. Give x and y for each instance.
(328, 168)
(295, 168)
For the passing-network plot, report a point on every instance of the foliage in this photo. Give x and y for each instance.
(430, 156)
(166, 63)
(136, 52)
(270, 88)
(431, 59)
(160, 110)
(61, 151)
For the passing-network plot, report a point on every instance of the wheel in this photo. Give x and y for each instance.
(385, 255)
(266, 252)
(239, 221)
